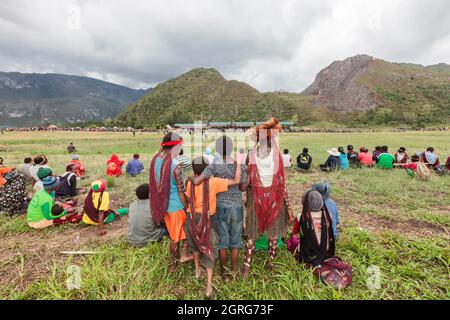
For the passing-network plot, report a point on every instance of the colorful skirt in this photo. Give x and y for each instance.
(278, 228)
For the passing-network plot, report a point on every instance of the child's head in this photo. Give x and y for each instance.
(378, 148)
(224, 146)
(349, 147)
(430, 149)
(142, 192)
(27, 160)
(198, 165)
(384, 148)
(57, 210)
(341, 149)
(71, 168)
(135, 156)
(286, 151)
(305, 150)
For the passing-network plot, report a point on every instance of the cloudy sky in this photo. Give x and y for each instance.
(270, 44)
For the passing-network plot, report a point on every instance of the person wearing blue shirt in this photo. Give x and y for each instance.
(345, 165)
(324, 189)
(135, 166)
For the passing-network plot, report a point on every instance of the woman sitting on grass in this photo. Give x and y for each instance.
(13, 194)
(201, 236)
(96, 207)
(39, 213)
(114, 166)
(365, 158)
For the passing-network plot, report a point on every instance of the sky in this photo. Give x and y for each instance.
(270, 44)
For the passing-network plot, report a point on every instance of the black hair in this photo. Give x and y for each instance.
(38, 160)
(70, 167)
(286, 151)
(350, 147)
(171, 136)
(341, 149)
(57, 209)
(415, 158)
(384, 148)
(135, 156)
(27, 160)
(378, 148)
(142, 192)
(402, 149)
(181, 152)
(430, 149)
(224, 146)
(199, 164)
(305, 150)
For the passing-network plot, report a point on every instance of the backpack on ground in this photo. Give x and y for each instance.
(423, 173)
(334, 272)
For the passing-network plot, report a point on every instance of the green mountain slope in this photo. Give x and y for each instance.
(203, 94)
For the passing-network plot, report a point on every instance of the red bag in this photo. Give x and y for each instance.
(334, 272)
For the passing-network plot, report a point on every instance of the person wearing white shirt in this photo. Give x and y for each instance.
(287, 160)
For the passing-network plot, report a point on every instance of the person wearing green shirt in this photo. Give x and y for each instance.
(39, 213)
(385, 159)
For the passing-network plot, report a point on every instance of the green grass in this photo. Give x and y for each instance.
(388, 220)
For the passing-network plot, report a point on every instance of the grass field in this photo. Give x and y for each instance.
(388, 221)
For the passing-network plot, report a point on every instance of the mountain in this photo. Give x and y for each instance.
(381, 92)
(39, 99)
(203, 94)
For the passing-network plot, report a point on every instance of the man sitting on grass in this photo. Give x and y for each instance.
(135, 166)
(385, 159)
(141, 228)
(304, 160)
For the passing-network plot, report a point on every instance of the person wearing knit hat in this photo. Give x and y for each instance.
(44, 172)
(50, 183)
(96, 207)
(41, 174)
(39, 212)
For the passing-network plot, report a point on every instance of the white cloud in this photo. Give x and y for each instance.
(271, 45)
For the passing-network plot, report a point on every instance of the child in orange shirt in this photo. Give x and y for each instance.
(200, 234)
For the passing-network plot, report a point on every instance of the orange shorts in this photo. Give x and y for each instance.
(175, 225)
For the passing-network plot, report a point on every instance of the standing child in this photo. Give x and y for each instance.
(200, 235)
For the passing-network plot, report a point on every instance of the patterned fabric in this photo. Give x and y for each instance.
(13, 194)
(220, 169)
(268, 201)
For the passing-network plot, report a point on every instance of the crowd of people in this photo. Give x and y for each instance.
(199, 205)
(341, 159)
